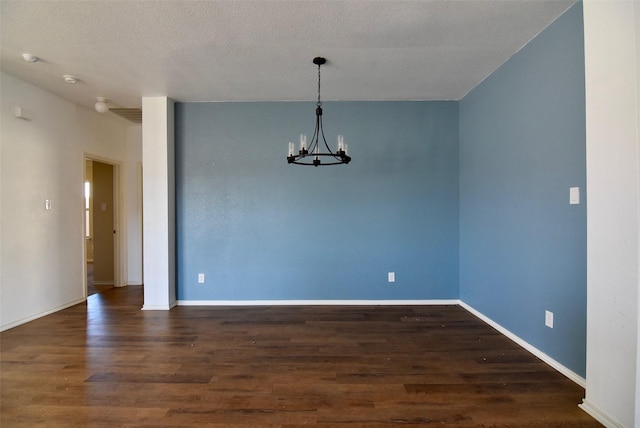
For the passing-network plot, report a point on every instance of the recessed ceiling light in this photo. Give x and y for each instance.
(30, 58)
(70, 79)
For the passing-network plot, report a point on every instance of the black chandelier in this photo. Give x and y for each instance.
(311, 155)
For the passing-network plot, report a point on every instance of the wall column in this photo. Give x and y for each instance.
(613, 197)
(158, 203)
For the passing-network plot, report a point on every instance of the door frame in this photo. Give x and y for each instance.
(119, 252)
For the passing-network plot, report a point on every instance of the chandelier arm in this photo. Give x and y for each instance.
(323, 138)
(316, 133)
(331, 152)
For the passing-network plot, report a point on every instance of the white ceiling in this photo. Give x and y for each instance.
(262, 50)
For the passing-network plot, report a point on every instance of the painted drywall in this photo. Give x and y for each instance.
(133, 202)
(611, 67)
(261, 229)
(522, 146)
(159, 190)
(42, 251)
(88, 177)
(636, 26)
(103, 224)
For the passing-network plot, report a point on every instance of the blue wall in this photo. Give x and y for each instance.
(461, 199)
(522, 145)
(262, 229)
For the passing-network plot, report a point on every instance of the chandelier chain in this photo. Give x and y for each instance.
(319, 103)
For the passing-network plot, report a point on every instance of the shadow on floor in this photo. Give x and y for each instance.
(94, 288)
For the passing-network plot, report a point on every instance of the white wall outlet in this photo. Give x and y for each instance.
(47, 204)
(391, 277)
(548, 319)
(200, 278)
(574, 195)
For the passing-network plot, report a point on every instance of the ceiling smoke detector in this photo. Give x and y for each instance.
(30, 58)
(72, 80)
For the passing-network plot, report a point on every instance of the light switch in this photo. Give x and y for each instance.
(548, 319)
(47, 204)
(391, 277)
(574, 195)
(21, 113)
(103, 207)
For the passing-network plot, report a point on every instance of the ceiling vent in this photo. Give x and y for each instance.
(131, 114)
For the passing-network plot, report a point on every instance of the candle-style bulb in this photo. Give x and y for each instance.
(303, 142)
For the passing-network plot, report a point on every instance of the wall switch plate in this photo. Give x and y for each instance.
(548, 319)
(200, 278)
(21, 113)
(391, 277)
(47, 204)
(574, 195)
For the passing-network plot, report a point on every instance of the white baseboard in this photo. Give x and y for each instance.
(317, 302)
(42, 314)
(102, 282)
(156, 308)
(167, 307)
(599, 415)
(529, 347)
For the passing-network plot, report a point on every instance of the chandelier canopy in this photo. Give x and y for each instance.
(314, 154)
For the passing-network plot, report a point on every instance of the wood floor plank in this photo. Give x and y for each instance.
(106, 363)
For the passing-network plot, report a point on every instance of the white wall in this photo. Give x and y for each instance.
(159, 203)
(41, 255)
(637, 29)
(133, 184)
(613, 194)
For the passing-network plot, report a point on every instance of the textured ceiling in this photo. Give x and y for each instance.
(262, 50)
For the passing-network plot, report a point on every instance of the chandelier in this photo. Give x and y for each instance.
(314, 154)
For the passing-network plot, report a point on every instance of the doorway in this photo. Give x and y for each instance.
(100, 217)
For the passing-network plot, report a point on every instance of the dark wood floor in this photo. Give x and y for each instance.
(107, 363)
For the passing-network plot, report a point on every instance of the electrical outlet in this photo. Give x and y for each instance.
(200, 278)
(391, 277)
(548, 319)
